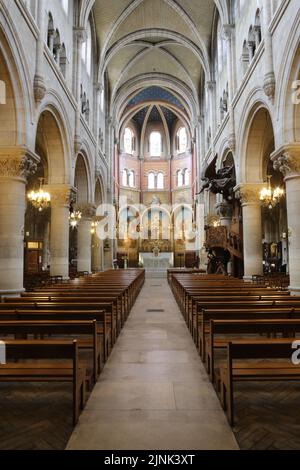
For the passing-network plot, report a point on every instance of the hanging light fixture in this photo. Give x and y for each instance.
(74, 218)
(39, 199)
(270, 197)
(94, 226)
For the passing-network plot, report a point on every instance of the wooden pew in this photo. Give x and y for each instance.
(84, 331)
(249, 360)
(103, 326)
(286, 327)
(28, 369)
(239, 314)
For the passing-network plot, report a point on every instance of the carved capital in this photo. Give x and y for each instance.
(88, 211)
(211, 85)
(15, 163)
(228, 30)
(80, 34)
(60, 194)
(248, 193)
(270, 85)
(287, 160)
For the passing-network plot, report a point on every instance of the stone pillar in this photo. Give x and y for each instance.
(97, 254)
(46, 240)
(248, 193)
(84, 240)
(80, 36)
(269, 79)
(212, 105)
(287, 160)
(228, 33)
(59, 231)
(15, 166)
(39, 82)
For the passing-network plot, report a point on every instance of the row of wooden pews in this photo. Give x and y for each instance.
(66, 332)
(243, 331)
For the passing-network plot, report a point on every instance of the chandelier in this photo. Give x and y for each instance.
(94, 226)
(270, 197)
(39, 199)
(74, 218)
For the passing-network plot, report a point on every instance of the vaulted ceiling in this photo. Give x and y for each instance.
(153, 39)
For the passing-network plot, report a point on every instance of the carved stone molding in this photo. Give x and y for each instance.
(80, 34)
(39, 88)
(232, 142)
(287, 160)
(228, 30)
(224, 210)
(60, 194)
(248, 193)
(88, 211)
(17, 165)
(270, 85)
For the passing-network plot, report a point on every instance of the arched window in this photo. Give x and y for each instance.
(63, 60)
(160, 180)
(221, 47)
(131, 179)
(102, 100)
(128, 140)
(151, 181)
(182, 140)
(186, 177)
(51, 33)
(155, 144)
(65, 5)
(124, 177)
(86, 51)
(179, 178)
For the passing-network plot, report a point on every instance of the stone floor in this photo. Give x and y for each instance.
(154, 392)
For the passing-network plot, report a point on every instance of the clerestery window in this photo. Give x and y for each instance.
(155, 144)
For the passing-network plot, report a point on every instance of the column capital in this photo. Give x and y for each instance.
(17, 162)
(211, 85)
(88, 211)
(228, 30)
(287, 160)
(80, 34)
(248, 193)
(60, 194)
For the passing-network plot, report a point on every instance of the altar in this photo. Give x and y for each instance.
(156, 260)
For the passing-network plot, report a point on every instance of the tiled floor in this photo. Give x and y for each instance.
(154, 392)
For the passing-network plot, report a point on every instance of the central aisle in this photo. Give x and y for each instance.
(154, 392)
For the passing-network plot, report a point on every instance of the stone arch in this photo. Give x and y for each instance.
(17, 112)
(81, 179)
(51, 137)
(289, 72)
(258, 139)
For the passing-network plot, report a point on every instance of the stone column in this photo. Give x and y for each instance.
(97, 254)
(212, 105)
(269, 79)
(39, 82)
(59, 231)
(80, 36)
(248, 193)
(84, 240)
(15, 166)
(229, 33)
(287, 160)
(46, 240)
